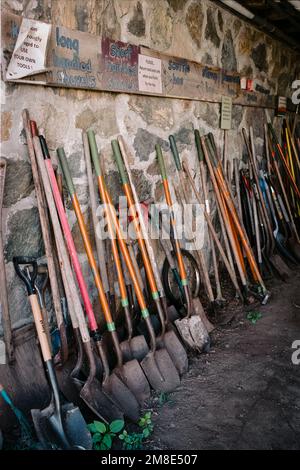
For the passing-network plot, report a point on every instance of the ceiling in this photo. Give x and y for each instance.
(279, 18)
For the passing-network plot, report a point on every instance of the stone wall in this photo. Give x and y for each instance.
(191, 29)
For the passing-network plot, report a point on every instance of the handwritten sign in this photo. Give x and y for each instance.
(29, 55)
(150, 74)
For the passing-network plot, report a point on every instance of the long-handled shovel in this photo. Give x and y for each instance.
(47, 239)
(133, 347)
(90, 392)
(191, 327)
(4, 308)
(130, 373)
(214, 233)
(111, 383)
(157, 364)
(214, 167)
(63, 424)
(98, 239)
(167, 338)
(199, 252)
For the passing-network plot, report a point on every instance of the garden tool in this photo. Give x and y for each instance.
(43, 271)
(4, 307)
(274, 258)
(157, 364)
(135, 386)
(280, 156)
(100, 248)
(24, 424)
(202, 263)
(213, 232)
(191, 327)
(111, 383)
(219, 182)
(133, 347)
(168, 339)
(59, 424)
(203, 172)
(47, 239)
(90, 391)
(169, 311)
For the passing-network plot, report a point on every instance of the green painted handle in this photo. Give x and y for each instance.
(65, 170)
(175, 152)
(119, 161)
(199, 145)
(210, 151)
(161, 162)
(94, 151)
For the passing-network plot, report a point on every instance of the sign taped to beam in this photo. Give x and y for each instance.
(75, 59)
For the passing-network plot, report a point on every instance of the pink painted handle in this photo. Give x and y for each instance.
(71, 246)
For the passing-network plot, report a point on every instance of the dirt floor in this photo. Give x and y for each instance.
(244, 394)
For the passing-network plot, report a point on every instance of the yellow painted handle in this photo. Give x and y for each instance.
(40, 329)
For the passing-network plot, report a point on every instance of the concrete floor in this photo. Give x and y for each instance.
(244, 394)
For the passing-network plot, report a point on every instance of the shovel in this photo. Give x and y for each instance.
(157, 364)
(90, 391)
(167, 339)
(4, 308)
(191, 328)
(59, 424)
(134, 385)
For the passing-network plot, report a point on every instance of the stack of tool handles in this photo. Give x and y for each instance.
(108, 359)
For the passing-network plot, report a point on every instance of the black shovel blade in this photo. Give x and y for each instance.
(122, 396)
(74, 435)
(134, 378)
(160, 371)
(99, 402)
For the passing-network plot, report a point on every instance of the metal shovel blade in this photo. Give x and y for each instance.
(160, 371)
(134, 378)
(172, 313)
(122, 396)
(99, 402)
(75, 433)
(136, 348)
(176, 351)
(193, 333)
(199, 310)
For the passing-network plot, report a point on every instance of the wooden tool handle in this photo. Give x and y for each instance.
(40, 328)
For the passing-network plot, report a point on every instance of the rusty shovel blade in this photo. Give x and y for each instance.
(160, 371)
(122, 396)
(99, 402)
(134, 378)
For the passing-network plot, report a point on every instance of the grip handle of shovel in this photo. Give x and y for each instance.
(94, 152)
(161, 162)
(174, 151)
(66, 171)
(119, 161)
(199, 146)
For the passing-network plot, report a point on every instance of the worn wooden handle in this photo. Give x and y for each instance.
(40, 328)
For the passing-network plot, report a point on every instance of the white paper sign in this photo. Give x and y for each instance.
(29, 56)
(150, 74)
